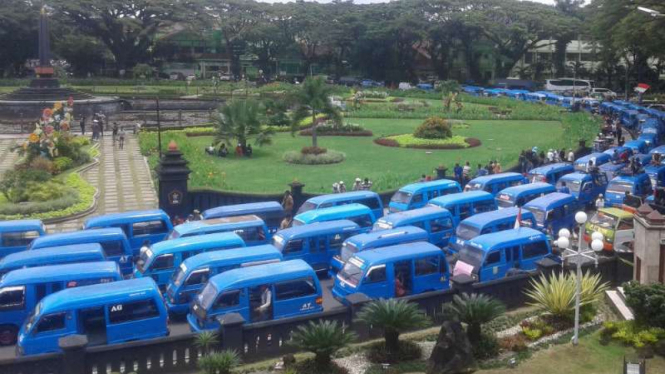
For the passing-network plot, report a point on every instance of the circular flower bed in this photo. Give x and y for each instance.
(410, 141)
(328, 157)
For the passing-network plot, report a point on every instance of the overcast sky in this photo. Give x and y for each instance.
(377, 1)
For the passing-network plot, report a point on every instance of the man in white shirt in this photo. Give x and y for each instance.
(571, 155)
(266, 303)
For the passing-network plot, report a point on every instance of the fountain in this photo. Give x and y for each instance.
(28, 102)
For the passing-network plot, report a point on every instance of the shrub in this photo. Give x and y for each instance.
(42, 164)
(46, 191)
(406, 351)
(323, 339)
(219, 362)
(61, 164)
(648, 303)
(386, 142)
(556, 294)
(475, 310)
(410, 141)
(433, 128)
(14, 183)
(313, 150)
(486, 347)
(394, 316)
(330, 157)
(447, 86)
(515, 343)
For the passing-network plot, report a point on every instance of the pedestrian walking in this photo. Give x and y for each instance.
(82, 124)
(95, 130)
(121, 138)
(600, 202)
(114, 131)
(287, 202)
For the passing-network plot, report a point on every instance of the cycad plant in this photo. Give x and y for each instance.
(312, 99)
(394, 317)
(556, 294)
(475, 310)
(206, 341)
(323, 339)
(240, 120)
(219, 362)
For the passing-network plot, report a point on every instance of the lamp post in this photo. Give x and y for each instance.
(563, 242)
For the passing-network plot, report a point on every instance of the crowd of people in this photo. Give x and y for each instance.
(532, 158)
(358, 185)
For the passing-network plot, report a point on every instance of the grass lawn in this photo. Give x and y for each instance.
(588, 358)
(387, 167)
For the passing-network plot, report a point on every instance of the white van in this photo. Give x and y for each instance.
(568, 84)
(405, 86)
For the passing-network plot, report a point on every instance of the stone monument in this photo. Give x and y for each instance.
(649, 246)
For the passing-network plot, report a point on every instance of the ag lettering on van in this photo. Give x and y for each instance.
(534, 237)
(306, 306)
(116, 308)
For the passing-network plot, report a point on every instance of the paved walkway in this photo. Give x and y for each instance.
(7, 157)
(122, 178)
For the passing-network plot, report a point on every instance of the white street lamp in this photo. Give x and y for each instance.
(564, 242)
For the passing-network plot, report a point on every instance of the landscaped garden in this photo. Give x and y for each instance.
(479, 335)
(378, 142)
(45, 183)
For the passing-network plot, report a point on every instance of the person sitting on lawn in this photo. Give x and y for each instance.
(249, 150)
(210, 149)
(223, 151)
(239, 150)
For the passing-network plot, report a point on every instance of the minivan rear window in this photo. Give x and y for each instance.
(149, 228)
(17, 239)
(113, 248)
(293, 289)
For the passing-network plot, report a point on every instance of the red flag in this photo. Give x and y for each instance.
(518, 221)
(642, 88)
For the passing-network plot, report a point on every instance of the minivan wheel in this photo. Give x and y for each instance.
(8, 335)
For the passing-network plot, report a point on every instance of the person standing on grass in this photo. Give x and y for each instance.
(481, 171)
(357, 185)
(457, 170)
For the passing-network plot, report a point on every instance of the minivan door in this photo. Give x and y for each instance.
(296, 297)
(494, 266)
(319, 256)
(375, 283)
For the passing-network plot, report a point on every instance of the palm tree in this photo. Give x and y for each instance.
(323, 339)
(240, 120)
(475, 310)
(394, 316)
(313, 99)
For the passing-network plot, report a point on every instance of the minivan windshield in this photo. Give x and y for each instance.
(144, 259)
(573, 186)
(307, 206)
(207, 296)
(466, 232)
(401, 197)
(348, 250)
(179, 276)
(383, 225)
(472, 256)
(620, 187)
(473, 187)
(603, 220)
(540, 214)
(505, 201)
(351, 273)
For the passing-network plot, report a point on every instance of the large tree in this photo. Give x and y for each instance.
(571, 8)
(126, 27)
(18, 34)
(235, 19)
(515, 27)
